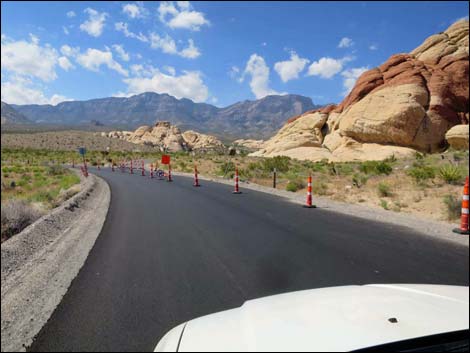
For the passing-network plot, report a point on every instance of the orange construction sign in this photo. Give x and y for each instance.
(165, 159)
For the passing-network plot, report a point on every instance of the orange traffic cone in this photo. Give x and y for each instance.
(169, 173)
(464, 217)
(236, 190)
(309, 194)
(196, 179)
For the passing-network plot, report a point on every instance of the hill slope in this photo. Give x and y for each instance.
(11, 116)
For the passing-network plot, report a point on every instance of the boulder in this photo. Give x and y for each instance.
(458, 137)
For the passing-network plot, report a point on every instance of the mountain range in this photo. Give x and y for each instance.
(11, 116)
(249, 119)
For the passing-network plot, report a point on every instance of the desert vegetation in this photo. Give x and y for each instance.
(428, 185)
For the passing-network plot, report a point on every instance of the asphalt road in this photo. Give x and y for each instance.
(170, 252)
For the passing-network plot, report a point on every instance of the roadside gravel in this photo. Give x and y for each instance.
(38, 264)
(426, 227)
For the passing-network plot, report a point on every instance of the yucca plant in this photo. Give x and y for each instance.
(451, 174)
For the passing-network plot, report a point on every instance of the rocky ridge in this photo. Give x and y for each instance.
(406, 104)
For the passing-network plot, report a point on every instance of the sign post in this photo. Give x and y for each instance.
(82, 151)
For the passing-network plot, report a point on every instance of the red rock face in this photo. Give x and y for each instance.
(440, 65)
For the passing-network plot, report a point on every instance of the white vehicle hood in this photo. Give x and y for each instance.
(328, 319)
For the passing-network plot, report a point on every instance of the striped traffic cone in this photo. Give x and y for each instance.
(112, 166)
(169, 173)
(132, 167)
(143, 168)
(196, 179)
(151, 170)
(309, 194)
(464, 217)
(237, 190)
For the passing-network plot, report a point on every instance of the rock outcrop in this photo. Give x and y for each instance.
(458, 137)
(249, 143)
(168, 138)
(406, 104)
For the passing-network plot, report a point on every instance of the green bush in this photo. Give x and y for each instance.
(295, 185)
(375, 167)
(359, 180)
(227, 168)
(453, 207)
(451, 174)
(281, 163)
(384, 204)
(55, 170)
(421, 173)
(384, 190)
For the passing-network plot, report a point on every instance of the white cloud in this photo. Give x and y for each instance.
(69, 51)
(65, 64)
(290, 69)
(71, 14)
(190, 52)
(373, 47)
(119, 49)
(123, 27)
(264, 44)
(327, 67)
(350, 76)
(66, 31)
(29, 58)
(345, 42)
(135, 10)
(187, 85)
(170, 69)
(258, 70)
(22, 91)
(95, 23)
(168, 45)
(94, 58)
(181, 15)
(234, 71)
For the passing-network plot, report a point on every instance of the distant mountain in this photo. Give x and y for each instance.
(251, 119)
(11, 116)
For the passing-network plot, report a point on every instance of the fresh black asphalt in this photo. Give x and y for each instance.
(170, 252)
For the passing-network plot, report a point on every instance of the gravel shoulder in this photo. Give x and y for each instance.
(39, 264)
(426, 227)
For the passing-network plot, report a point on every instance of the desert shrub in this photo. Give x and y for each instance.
(344, 169)
(420, 173)
(375, 167)
(391, 159)
(55, 170)
(451, 174)
(359, 180)
(384, 189)
(15, 216)
(453, 206)
(384, 204)
(295, 185)
(68, 180)
(319, 188)
(419, 156)
(281, 163)
(227, 168)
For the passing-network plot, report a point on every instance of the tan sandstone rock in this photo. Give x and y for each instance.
(458, 137)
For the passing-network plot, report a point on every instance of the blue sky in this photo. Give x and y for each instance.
(214, 52)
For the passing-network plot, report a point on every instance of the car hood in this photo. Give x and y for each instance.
(328, 319)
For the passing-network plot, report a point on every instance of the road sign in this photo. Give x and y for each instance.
(165, 159)
(82, 151)
(160, 173)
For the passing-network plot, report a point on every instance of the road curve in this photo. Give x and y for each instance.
(170, 252)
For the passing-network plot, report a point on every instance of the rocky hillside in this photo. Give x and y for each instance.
(406, 104)
(259, 118)
(168, 138)
(11, 116)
